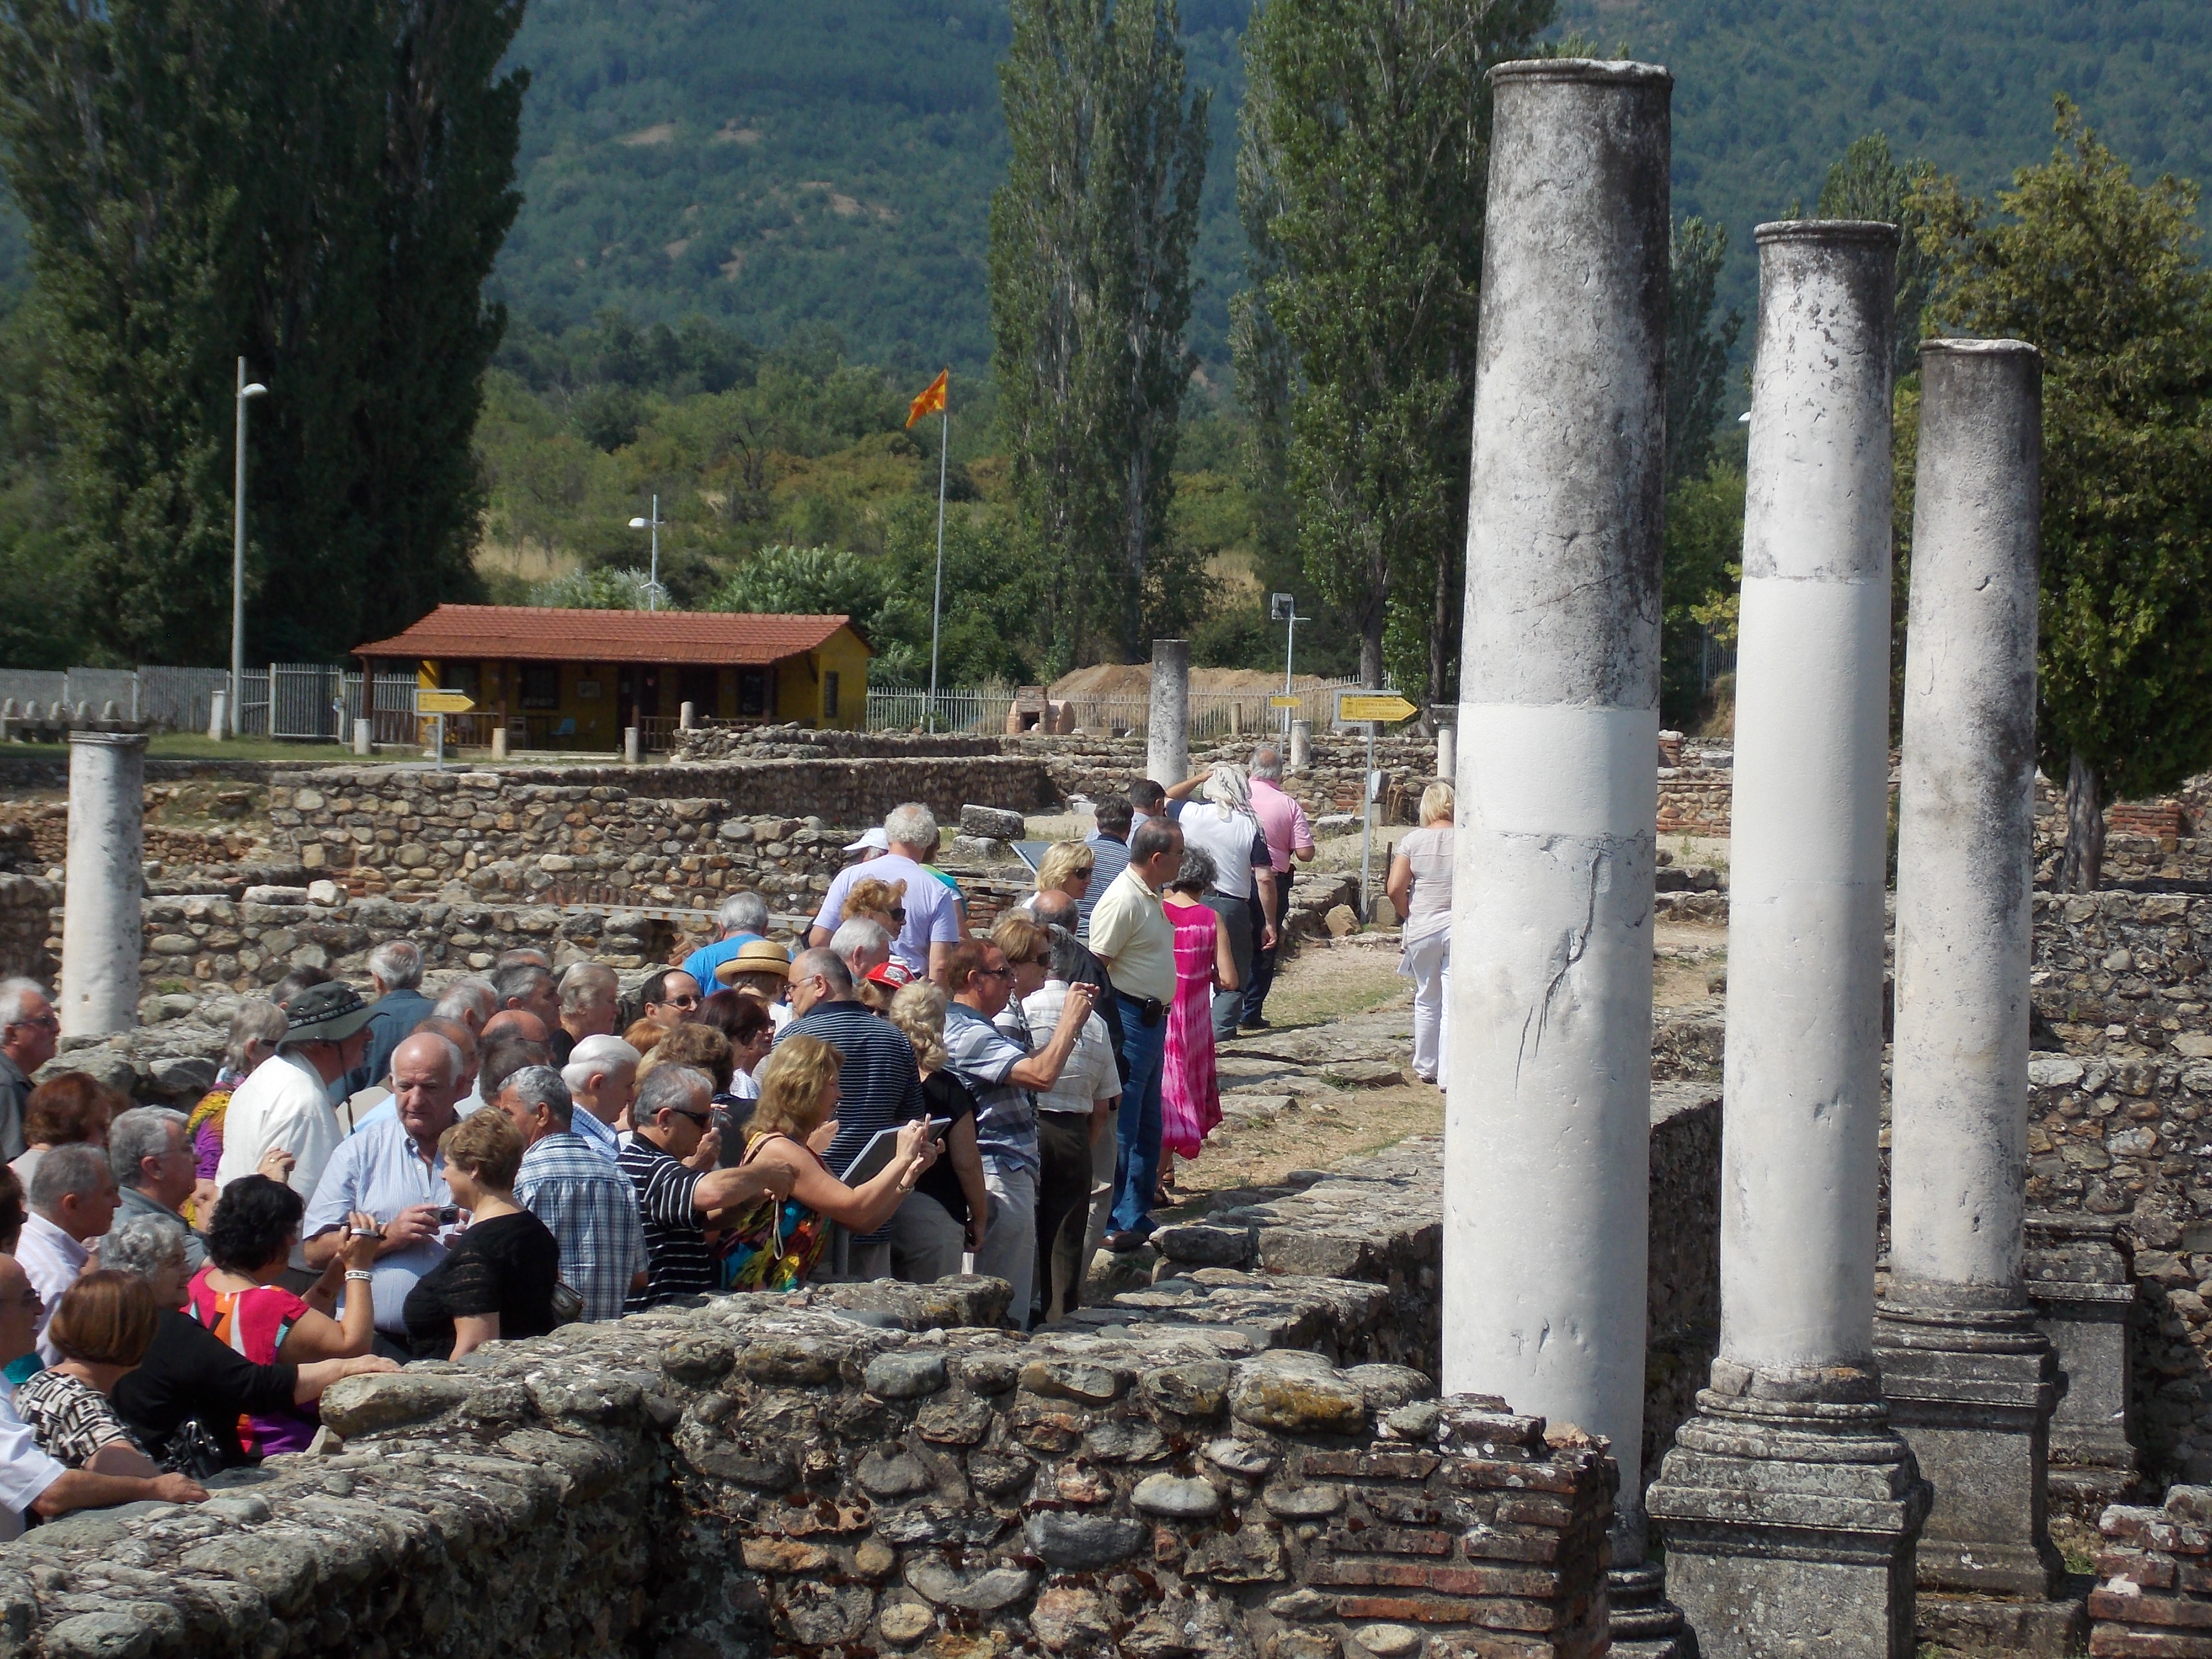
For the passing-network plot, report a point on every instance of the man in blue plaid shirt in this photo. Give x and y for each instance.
(585, 1201)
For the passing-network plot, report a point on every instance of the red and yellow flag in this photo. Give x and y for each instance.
(932, 400)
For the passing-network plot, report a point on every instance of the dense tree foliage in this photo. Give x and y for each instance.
(2103, 275)
(1091, 242)
(322, 189)
(1366, 144)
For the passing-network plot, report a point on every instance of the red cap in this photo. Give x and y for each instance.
(894, 973)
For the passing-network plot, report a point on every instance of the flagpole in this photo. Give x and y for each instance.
(936, 599)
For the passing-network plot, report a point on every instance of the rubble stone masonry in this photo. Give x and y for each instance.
(765, 1475)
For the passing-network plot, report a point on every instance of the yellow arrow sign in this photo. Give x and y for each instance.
(1385, 706)
(1282, 700)
(443, 702)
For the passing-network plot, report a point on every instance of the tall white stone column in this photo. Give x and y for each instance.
(1547, 1125)
(1789, 1504)
(1167, 726)
(102, 934)
(1971, 1378)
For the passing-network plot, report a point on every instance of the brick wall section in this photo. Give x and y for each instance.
(757, 1475)
(2120, 1090)
(2155, 1598)
(1696, 794)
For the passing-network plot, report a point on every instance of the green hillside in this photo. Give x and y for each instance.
(777, 166)
(1767, 92)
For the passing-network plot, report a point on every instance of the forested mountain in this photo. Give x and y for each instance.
(773, 165)
(1768, 93)
(776, 165)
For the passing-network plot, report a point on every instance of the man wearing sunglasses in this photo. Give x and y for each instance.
(28, 1032)
(671, 997)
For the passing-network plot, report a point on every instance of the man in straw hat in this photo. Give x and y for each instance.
(285, 1106)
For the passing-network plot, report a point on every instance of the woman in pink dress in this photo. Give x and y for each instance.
(1190, 1093)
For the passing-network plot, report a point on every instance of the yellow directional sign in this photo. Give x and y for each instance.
(1384, 706)
(443, 702)
(1282, 700)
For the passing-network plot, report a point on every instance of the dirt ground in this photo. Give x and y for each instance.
(1316, 986)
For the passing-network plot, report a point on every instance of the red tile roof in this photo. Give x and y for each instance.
(527, 633)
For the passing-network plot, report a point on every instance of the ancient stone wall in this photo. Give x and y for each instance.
(762, 1475)
(2154, 1597)
(1329, 785)
(2120, 1090)
(1696, 793)
(1380, 1221)
(29, 933)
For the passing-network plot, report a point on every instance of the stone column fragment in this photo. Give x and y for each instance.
(1970, 1376)
(102, 934)
(1167, 726)
(1547, 1123)
(1789, 1505)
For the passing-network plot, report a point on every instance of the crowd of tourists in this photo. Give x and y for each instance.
(391, 1172)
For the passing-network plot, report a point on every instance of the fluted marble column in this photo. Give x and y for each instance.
(1789, 1505)
(1971, 1378)
(1547, 1126)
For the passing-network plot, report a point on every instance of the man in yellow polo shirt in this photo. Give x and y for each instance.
(1132, 935)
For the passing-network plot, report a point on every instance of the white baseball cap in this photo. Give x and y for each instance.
(875, 841)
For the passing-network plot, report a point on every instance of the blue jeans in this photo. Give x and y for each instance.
(1137, 1165)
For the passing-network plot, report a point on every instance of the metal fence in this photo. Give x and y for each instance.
(1214, 714)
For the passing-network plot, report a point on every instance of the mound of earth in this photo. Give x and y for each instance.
(1134, 679)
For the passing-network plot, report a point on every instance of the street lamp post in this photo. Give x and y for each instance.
(1283, 608)
(246, 394)
(652, 580)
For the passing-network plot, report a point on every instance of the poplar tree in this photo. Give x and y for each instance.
(1367, 146)
(2102, 275)
(318, 188)
(1091, 242)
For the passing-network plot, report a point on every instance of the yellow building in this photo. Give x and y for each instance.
(574, 679)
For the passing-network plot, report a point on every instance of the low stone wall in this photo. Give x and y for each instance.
(2119, 1093)
(29, 927)
(762, 1475)
(1697, 794)
(735, 742)
(1093, 767)
(2155, 1598)
(1380, 1221)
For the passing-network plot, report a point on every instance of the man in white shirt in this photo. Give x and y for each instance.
(933, 911)
(1075, 1116)
(285, 1106)
(72, 1202)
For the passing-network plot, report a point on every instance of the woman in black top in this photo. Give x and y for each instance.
(185, 1398)
(497, 1282)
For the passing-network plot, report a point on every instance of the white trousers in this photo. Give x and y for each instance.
(1009, 1250)
(1427, 963)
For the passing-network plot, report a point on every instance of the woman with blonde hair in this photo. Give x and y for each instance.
(883, 902)
(1066, 867)
(1420, 889)
(776, 1244)
(924, 1248)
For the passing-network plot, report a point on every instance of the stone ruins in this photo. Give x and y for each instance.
(1858, 1297)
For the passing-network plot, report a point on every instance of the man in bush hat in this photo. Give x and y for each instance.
(285, 1106)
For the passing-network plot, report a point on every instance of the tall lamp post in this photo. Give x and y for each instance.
(1283, 608)
(246, 394)
(653, 581)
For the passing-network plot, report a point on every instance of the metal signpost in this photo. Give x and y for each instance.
(437, 705)
(1377, 708)
(1283, 608)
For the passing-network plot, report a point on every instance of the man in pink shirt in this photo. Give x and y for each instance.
(1289, 836)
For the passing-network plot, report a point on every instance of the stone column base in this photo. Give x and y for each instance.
(1970, 1381)
(1789, 1528)
(1644, 1624)
(1974, 1624)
